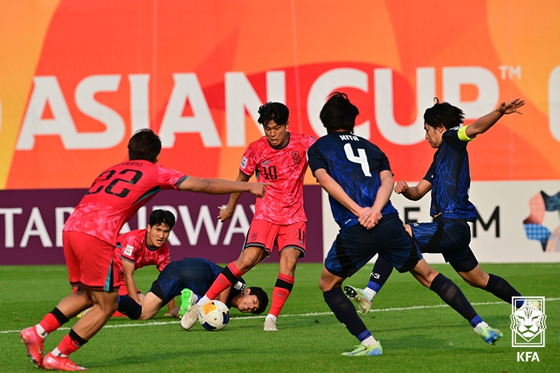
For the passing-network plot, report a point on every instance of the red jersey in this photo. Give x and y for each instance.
(116, 195)
(132, 246)
(285, 169)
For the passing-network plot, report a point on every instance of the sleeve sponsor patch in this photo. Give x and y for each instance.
(128, 250)
(243, 162)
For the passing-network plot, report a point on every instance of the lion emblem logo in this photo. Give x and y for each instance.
(528, 323)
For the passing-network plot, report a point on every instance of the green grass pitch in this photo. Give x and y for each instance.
(418, 332)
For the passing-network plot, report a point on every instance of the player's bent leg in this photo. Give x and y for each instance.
(104, 305)
(150, 306)
(475, 277)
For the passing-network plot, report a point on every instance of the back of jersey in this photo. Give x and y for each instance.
(355, 164)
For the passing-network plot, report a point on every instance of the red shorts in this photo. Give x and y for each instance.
(265, 235)
(89, 261)
(124, 291)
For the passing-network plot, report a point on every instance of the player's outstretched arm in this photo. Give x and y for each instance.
(221, 186)
(484, 123)
(226, 212)
(413, 193)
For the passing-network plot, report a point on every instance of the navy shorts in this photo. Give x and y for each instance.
(355, 246)
(449, 237)
(194, 273)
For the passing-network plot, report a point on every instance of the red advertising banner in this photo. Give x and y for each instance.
(79, 77)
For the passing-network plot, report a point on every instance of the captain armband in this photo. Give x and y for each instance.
(462, 133)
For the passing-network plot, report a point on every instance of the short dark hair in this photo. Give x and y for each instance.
(339, 113)
(275, 111)
(443, 114)
(158, 217)
(144, 144)
(261, 296)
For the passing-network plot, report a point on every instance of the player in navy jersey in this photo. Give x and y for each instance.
(448, 178)
(192, 276)
(357, 176)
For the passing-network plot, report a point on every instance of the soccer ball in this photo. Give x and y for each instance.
(213, 315)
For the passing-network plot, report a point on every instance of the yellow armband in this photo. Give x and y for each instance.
(462, 133)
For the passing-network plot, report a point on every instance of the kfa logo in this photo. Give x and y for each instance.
(528, 322)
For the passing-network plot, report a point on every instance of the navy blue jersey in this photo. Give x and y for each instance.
(196, 274)
(355, 164)
(450, 177)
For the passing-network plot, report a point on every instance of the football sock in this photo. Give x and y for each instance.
(381, 271)
(52, 321)
(502, 289)
(280, 293)
(369, 341)
(70, 343)
(129, 307)
(453, 296)
(345, 312)
(229, 276)
(477, 321)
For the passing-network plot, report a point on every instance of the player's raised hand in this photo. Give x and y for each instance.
(512, 106)
(258, 188)
(401, 187)
(225, 213)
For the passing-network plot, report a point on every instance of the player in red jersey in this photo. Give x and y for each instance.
(279, 157)
(143, 247)
(90, 236)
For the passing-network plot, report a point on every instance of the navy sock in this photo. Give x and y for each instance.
(452, 295)
(502, 289)
(380, 274)
(345, 312)
(129, 307)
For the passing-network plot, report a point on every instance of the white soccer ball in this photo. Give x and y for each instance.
(213, 315)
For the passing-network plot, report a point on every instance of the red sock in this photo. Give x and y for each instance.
(49, 323)
(68, 345)
(229, 275)
(280, 294)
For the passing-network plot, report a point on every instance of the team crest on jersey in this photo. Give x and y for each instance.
(254, 236)
(128, 250)
(296, 158)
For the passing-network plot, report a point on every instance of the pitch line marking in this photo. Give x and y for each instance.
(157, 323)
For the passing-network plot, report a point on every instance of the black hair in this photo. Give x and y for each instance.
(158, 217)
(339, 113)
(144, 144)
(443, 114)
(275, 111)
(261, 296)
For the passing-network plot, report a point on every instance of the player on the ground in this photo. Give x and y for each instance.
(357, 176)
(90, 236)
(278, 158)
(190, 278)
(143, 247)
(449, 180)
